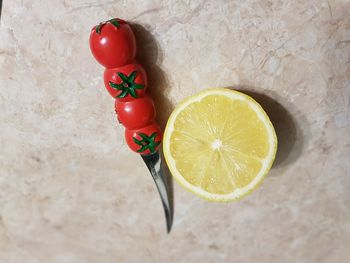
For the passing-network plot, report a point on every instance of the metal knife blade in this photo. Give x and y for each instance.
(156, 166)
(0, 9)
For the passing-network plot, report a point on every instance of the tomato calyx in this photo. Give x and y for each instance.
(113, 21)
(147, 142)
(128, 85)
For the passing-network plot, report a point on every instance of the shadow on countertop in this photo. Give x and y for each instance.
(149, 55)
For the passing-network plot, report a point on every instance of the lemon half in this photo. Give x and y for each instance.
(219, 144)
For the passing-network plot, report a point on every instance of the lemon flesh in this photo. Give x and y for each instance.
(219, 144)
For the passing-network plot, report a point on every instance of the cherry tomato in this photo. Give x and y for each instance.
(127, 82)
(137, 113)
(145, 140)
(113, 43)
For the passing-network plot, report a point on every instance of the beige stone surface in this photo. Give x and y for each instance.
(72, 192)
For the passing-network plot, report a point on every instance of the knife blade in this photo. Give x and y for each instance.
(0, 9)
(156, 166)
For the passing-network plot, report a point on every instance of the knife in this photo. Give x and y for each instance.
(113, 45)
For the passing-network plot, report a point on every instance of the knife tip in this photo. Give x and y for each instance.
(168, 227)
(169, 219)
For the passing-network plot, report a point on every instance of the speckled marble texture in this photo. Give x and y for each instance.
(72, 192)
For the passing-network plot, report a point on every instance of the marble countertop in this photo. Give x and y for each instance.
(72, 192)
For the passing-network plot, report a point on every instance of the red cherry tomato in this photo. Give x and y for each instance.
(145, 140)
(127, 82)
(137, 113)
(113, 43)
